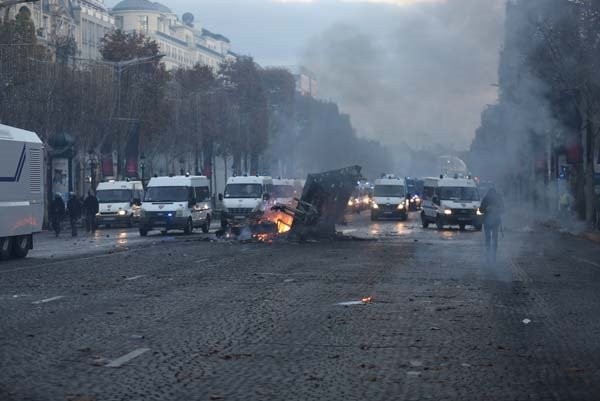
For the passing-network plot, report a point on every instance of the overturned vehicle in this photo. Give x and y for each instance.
(322, 204)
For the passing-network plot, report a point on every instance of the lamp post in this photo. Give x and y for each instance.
(143, 168)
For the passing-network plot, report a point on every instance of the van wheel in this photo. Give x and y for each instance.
(373, 217)
(424, 221)
(206, 226)
(477, 227)
(189, 227)
(21, 246)
(5, 248)
(461, 227)
(130, 222)
(143, 232)
(439, 223)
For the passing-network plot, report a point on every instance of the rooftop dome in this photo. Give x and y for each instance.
(141, 5)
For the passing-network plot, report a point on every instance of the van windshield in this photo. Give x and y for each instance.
(396, 191)
(114, 195)
(167, 194)
(283, 191)
(243, 191)
(467, 194)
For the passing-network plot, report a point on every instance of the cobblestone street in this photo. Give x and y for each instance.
(183, 318)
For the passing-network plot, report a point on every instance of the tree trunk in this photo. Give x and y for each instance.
(237, 163)
(253, 163)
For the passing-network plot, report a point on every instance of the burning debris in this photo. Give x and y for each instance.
(323, 203)
(321, 206)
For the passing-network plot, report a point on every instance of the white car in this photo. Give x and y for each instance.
(284, 192)
(177, 202)
(119, 202)
(389, 199)
(451, 201)
(245, 196)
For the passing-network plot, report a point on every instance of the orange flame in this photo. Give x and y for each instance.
(283, 221)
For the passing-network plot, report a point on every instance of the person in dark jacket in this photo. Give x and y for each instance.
(74, 212)
(492, 207)
(57, 213)
(91, 207)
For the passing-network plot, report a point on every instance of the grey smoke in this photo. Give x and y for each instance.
(417, 74)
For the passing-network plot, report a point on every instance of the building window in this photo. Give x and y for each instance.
(143, 23)
(119, 22)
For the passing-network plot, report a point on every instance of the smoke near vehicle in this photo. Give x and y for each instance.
(299, 200)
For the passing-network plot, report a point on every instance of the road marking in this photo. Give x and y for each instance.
(117, 363)
(201, 260)
(43, 301)
(587, 261)
(135, 277)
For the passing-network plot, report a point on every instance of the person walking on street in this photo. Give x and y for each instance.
(492, 207)
(74, 212)
(91, 207)
(57, 213)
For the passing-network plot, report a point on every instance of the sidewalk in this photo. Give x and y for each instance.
(528, 218)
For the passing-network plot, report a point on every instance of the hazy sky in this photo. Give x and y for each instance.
(415, 71)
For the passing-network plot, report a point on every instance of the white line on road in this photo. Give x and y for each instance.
(587, 261)
(135, 277)
(201, 260)
(117, 363)
(43, 301)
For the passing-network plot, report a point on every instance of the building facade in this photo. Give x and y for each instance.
(183, 42)
(93, 23)
(85, 21)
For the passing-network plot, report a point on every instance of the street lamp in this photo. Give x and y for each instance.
(143, 166)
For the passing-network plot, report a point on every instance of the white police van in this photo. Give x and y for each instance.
(119, 202)
(451, 201)
(176, 203)
(245, 196)
(21, 190)
(284, 191)
(389, 199)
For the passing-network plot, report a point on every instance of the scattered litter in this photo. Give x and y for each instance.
(288, 280)
(434, 328)
(99, 361)
(465, 365)
(136, 337)
(527, 229)
(363, 301)
(416, 364)
(350, 303)
(413, 373)
(526, 321)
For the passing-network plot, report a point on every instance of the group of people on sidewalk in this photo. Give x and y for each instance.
(75, 209)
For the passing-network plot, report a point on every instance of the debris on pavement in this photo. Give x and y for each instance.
(526, 321)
